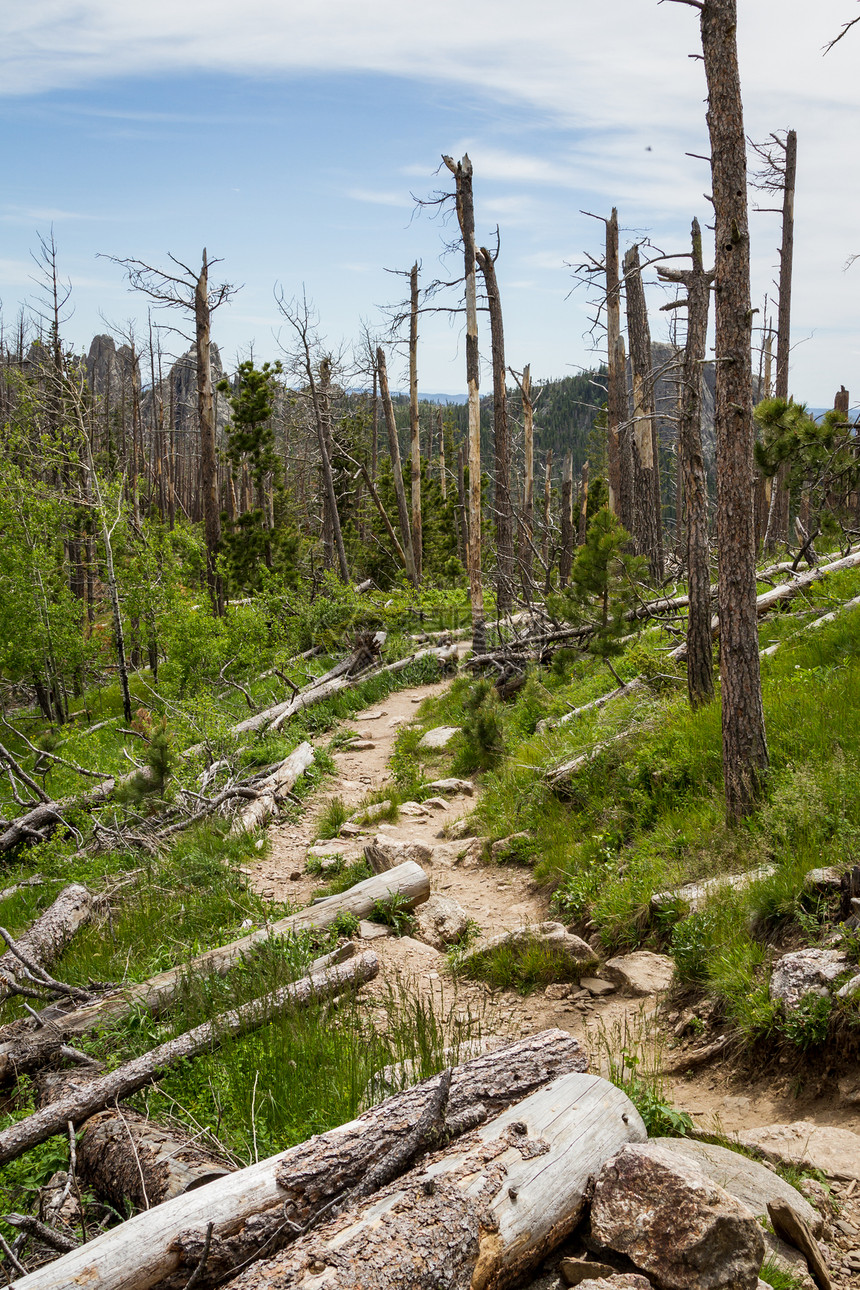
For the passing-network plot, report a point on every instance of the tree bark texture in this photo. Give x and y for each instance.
(620, 465)
(396, 469)
(527, 535)
(478, 1216)
(647, 513)
(501, 440)
(49, 935)
(414, 424)
(582, 525)
(745, 755)
(462, 172)
(700, 671)
(100, 1092)
(565, 559)
(248, 1208)
(255, 814)
(206, 421)
(779, 523)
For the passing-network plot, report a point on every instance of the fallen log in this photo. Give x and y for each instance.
(255, 814)
(247, 1209)
(48, 936)
(93, 1096)
(126, 1158)
(24, 1047)
(481, 1214)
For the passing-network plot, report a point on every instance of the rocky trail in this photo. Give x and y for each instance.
(619, 1007)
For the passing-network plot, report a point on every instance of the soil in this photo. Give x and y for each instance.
(498, 898)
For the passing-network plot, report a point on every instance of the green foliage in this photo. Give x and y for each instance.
(630, 1053)
(481, 729)
(821, 455)
(778, 1276)
(395, 911)
(334, 814)
(345, 925)
(602, 585)
(523, 965)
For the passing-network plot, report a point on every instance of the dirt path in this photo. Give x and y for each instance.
(499, 898)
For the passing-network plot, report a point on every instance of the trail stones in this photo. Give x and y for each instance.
(438, 737)
(453, 786)
(372, 931)
(575, 1271)
(805, 972)
(384, 853)
(827, 881)
(641, 973)
(371, 813)
(674, 1223)
(573, 952)
(747, 1180)
(811, 1146)
(441, 922)
(788, 1224)
(618, 1281)
(596, 987)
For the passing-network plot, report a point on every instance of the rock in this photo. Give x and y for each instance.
(788, 1224)
(835, 1152)
(410, 943)
(371, 812)
(370, 716)
(500, 850)
(372, 931)
(575, 1271)
(694, 894)
(747, 1180)
(440, 922)
(327, 847)
(458, 829)
(453, 786)
(803, 972)
(438, 737)
(788, 1259)
(574, 953)
(350, 830)
(850, 988)
(385, 853)
(849, 1088)
(415, 809)
(437, 803)
(360, 745)
(558, 990)
(824, 880)
(674, 1223)
(396, 722)
(618, 1281)
(595, 986)
(641, 972)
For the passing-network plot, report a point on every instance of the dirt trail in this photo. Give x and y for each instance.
(500, 898)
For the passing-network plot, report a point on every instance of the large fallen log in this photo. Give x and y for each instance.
(24, 1047)
(100, 1092)
(247, 1209)
(255, 814)
(45, 940)
(481, 1214)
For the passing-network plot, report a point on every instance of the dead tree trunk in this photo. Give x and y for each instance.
(443, 477)
(565, 559)
(49, 935)
(647, 517)
(493, 1208)
(414, 425)
(501, 440)
(745, 756)
(700, 678)
(547, 515)
(100, 1092)
(617, 429)
(162, 1248)
(582, 526)
(206, 420)
(462, 172)
(396, 469)
(271, 789)
(779, 526)
(527, 536)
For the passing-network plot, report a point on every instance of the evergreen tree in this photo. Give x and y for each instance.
(602, 589)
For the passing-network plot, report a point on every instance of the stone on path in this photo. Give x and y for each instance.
(453, 786)
(415, 809)
(386, 853)
(804, 972)
(747, 1180)
(575, 952)
(500, 850)
(360, 745)
(369, 716)
(595, 986)
(641, 972)
(372, 931)
(440, 922)
(438, 737)
(674, 1223)
(618, 1281)
(437, 803)
(835, 1152)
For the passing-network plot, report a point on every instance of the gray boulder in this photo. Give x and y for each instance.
(835, 1152)
(438, 737)
(641, 972)
(575, 953)
(804, 972)
(385, 853)
(453, 786)
(440, 922)
(674, 1222)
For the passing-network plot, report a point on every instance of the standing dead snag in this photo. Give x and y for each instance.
(462, 172)
(501, 439)
(700, 679)
(414, 423)
(618, 431)
(647, 509)
(745, 756)
(396, 469)
(528, 511)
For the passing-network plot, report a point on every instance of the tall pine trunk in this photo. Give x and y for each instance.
(647, 514)
(501, 440)
(206, 420)
(414, 423)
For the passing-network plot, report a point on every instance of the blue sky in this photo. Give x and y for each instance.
(289, 140)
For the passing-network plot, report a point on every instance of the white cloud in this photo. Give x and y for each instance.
(378, 197)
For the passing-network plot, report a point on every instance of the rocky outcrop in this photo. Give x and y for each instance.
(805, 972)
(835, 1152)
(441, 922)
(675, 1223)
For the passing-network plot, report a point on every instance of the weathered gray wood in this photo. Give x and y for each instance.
(48, 936)
(481, 1214)
(25, 1048)
(127, 1079)
(255, 814)
(161, 1247)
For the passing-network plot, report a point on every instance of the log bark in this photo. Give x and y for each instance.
(620, 487)
(136, 1074)
(24, 1048)
(126, 1158)
(779, 521)
(528, 516)
(745, 755)
(280, 782)
(478, 1216)
(161, 1248)
(49, 935)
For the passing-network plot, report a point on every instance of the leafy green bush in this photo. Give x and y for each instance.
(481, 730)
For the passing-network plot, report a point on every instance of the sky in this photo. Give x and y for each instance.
(292, 139)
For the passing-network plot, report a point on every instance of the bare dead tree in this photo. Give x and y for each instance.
(414, 424)
(396, 469)
(647, 525)
(501, 435)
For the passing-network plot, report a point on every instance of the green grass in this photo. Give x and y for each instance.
(334, 814)
(524, 966)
